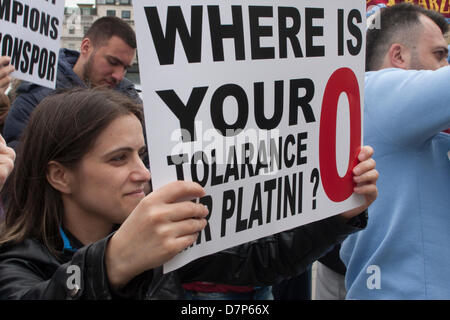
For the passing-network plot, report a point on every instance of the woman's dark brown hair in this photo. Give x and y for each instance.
(62, 128)
(4, 109)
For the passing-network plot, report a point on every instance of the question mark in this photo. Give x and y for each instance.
(314, 179)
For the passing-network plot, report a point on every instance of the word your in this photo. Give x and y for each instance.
(186, 113)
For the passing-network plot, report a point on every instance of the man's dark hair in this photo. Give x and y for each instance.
(399, 23)
(106, 27)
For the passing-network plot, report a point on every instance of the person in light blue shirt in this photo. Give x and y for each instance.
(448, 58)
(405, 251)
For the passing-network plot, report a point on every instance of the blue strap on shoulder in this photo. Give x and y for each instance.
(67, 245)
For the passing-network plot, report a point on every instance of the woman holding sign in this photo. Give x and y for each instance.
(79, 226)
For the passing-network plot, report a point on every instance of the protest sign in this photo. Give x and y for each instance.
(260, 102)
(30, 35)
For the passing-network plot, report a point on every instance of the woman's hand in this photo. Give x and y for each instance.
(164, 223)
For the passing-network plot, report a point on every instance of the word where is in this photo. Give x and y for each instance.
(292, 25)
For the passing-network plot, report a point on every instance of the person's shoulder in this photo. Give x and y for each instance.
(387, 72)
(374, 76)
(126, 84)
(415, 81)
(27, 99)
(31, 89)
(128, 88)
(403, 73)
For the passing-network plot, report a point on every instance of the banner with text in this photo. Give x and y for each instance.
(441, 6)
(260, 102)
(30, 35)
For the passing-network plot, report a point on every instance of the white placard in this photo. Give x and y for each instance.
(30, 34)
(260, 102)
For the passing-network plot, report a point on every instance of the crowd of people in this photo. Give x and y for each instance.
(76, 186)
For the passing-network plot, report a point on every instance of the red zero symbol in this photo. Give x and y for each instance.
(342, 80)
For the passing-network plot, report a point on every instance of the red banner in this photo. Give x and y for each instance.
(442, 6)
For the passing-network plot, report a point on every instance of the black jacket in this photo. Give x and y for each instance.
(29, 271)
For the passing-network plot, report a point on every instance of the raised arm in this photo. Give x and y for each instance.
(408, 107)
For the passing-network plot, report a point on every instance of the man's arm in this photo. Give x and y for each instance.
(408, 107)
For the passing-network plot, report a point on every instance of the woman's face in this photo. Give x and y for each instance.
(109, 181)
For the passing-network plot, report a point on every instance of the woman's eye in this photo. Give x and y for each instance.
(118, 158)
